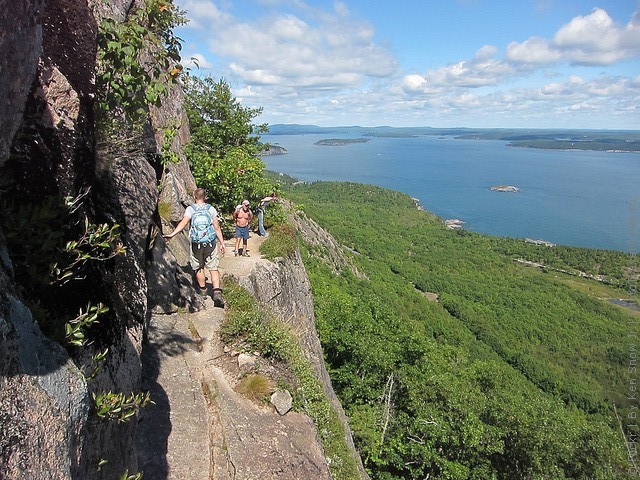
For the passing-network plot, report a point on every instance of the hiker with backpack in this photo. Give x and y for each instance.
(206, 242)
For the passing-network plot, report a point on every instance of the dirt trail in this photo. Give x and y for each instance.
(199, 427)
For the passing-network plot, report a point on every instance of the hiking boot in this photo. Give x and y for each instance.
(202, 290)
(218, 301)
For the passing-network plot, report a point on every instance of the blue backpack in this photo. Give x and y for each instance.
(202, 224)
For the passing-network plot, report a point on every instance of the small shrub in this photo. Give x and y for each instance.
(76, 328)
(246, 321)
(282, 242)
(255, 387)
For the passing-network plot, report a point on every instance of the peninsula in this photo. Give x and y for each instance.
(273, 149)
(555, 139)
(338, 142)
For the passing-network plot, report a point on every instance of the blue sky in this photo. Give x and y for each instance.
(449, 63)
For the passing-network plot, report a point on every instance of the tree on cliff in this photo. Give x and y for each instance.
(224, 143)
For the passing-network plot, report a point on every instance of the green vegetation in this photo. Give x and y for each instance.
(282, 242)
(603, 145)
(224, 148)
(138, 64)
(513, 373)
(75, 329)
(611, 266)
(54, 248)
(248, 324)
(118, 406)
(255, 386)
(138, 59)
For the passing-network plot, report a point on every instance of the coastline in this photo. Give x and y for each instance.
(452, 179)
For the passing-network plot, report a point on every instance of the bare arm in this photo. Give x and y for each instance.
(183, 223)
(216, 227)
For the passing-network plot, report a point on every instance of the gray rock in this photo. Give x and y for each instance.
(282, 400)
(246, 361)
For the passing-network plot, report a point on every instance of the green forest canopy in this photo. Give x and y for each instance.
(512, 374)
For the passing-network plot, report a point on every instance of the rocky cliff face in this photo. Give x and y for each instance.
(284, 286)
(37, 377)
(50, 149)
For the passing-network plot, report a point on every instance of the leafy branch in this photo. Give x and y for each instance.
(138, 58)
(118, 406)
(97, 360)
(75, 329)
(98, 243)
(169, 136)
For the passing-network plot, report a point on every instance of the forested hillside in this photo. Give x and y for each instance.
(455, 361)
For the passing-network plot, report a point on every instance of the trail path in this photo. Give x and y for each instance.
(199, 427)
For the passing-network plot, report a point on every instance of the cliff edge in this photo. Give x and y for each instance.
(200, 427)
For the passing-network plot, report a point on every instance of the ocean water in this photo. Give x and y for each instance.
(579, 198)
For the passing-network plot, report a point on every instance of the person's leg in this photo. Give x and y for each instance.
(218, 301)
(238, 236)
(245, 241)
(213, 261)
(215, 278)
(201, 279)
(197, 261)
(261, 231)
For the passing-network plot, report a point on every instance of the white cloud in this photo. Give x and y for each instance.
(414, 83)
(535, 50)
(483, 70)
(301, 48)
(566, 89)
(306, 65)
(594, 39)
(486, 53)
(576, 101)
(589, 40)
(204, 14)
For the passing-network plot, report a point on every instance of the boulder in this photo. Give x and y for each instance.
(282, 400)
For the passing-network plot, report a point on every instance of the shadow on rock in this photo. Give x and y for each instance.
(154, 425)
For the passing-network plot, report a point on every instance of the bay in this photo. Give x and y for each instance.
(569, 197)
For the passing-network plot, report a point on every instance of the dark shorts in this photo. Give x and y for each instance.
(204, 256)
(242, 232)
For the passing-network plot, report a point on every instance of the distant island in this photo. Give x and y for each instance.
(338, 142)
(505, 188)
(555, 139)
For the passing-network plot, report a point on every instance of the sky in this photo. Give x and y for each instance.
(437, 63)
